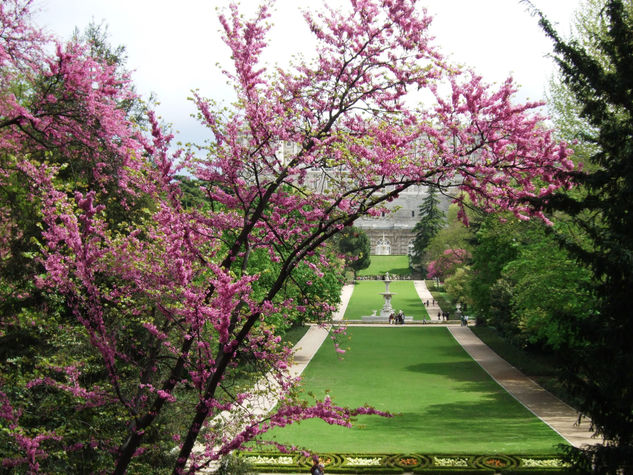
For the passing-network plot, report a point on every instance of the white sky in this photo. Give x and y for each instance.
(173, 47)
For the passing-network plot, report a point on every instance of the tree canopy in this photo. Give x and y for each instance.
(158, 311)
(430, 223)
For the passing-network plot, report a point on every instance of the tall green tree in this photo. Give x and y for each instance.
(523, 283)
(548, 287)
(495, 245)
(354, 244)
(453, 235)
(599, 80)
(430, 223)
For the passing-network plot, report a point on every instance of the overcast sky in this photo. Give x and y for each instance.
(173, 47)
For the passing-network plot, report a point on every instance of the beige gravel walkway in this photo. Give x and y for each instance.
(425, 295)
(551, 410)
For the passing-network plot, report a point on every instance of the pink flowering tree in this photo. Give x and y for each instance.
(177, 307)
(447, 263)
(64, 129)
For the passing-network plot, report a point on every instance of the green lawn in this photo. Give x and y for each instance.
(366, 298)
(443, 401)
(395, 265)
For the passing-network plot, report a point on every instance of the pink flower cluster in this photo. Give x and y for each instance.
(446, 264)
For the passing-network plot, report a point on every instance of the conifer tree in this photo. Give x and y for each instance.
(430, 223)
(600, 358)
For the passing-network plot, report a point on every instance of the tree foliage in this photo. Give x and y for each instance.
(451, 246)
(447, 263)
(495, 245)
(354, 244)
(597, 73)
(524, 284)
(157, 311)
(430, 223)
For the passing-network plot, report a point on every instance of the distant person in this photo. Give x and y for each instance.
(317, 467)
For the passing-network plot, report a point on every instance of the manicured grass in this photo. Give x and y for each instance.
(366, 298)
(395, 265)
(442, 400)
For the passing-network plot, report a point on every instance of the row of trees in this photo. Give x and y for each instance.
(138, 307)
(565, 288)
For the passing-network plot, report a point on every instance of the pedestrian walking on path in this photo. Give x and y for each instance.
(432, 306)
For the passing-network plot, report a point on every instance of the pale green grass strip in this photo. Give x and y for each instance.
(395, 265)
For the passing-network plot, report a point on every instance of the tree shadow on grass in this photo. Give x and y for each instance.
(487, 425)
(399, 271)
(465, 369)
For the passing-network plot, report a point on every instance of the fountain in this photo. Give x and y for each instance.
(387, 309)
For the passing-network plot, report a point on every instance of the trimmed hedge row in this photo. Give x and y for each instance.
(276, 462)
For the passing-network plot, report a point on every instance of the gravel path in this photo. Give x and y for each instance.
(307, 347)
(425, 295)
(547, 407)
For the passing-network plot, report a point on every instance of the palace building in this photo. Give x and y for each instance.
(392, 233)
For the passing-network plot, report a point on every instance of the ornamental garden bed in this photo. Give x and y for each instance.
(275, 462)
